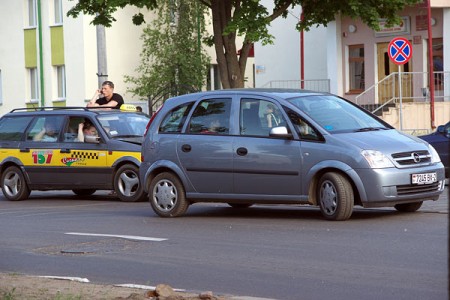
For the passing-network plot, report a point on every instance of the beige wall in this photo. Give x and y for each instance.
(416, 117)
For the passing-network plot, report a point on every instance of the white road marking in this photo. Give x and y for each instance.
(79, 279)
(144, 287)
(129, 237)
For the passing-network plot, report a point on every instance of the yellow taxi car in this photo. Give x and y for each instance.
(71, 148)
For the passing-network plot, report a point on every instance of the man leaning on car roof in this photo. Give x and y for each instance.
(109, 99)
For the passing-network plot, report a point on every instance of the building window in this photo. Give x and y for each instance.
(356, 68)
(1, 88)
(34, 84)
(61, 81)
(32, 13)
(58, 11)
(213, 78)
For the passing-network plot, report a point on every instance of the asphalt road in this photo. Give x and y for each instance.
(279, 252)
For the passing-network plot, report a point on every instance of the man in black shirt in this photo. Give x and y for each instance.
(109, 99)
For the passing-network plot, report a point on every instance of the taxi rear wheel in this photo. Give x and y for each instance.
(126, 184)
(84, 192)
(13, 184)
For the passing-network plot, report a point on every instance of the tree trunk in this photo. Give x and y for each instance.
(231, 69)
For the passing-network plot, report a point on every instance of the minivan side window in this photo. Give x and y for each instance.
(302, 127)
(174, 120)
(257, 117)
(211, 116)
(12, 129)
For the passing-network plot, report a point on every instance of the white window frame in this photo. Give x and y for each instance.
(33, 78)
(58, 12)
(32, 13)
(60, 78)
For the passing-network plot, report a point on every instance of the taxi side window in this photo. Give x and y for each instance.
(71, 132)
(12, 129)
(45, 129)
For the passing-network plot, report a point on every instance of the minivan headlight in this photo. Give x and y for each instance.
(434, 155)
(376, 159)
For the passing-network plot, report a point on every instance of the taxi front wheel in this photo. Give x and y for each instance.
(126, 184)
(13, 184)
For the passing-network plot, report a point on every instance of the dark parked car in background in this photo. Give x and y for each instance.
(440, 140)
(279, 146)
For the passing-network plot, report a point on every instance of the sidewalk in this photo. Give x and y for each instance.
(440, 205)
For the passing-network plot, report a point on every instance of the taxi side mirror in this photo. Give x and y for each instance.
(91, 139)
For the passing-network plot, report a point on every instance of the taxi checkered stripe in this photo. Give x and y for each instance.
(85, 155)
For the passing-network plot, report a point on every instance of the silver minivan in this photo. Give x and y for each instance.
(277, 146)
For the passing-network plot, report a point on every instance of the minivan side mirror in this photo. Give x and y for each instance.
(280, 131)
(440, 129)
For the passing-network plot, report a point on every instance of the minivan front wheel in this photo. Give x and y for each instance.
(167, 196)
(335, 195)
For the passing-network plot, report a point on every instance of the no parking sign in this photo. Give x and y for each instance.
(400, 51)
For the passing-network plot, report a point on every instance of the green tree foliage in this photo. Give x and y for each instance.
(171, 56)
(250, 19)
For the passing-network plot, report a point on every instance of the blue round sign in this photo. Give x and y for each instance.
(400, 51)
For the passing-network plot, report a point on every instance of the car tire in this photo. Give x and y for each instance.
(13, 184)
(335, 196)
(84, 192)
(408, 207)
(167, 196)
(127, 185)
(240, 205)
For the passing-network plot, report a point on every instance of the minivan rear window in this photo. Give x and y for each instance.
(174, 120)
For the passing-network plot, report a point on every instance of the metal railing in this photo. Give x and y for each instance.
(317, 85)
(414, 88)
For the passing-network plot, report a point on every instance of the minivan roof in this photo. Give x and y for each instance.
(278, 92)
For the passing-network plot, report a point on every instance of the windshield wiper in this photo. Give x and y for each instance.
(370, 129)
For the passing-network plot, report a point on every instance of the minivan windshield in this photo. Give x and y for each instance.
(337, 115)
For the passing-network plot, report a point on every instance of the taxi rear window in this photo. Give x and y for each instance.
(12, 129)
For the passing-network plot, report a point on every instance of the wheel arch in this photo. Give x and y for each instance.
(125, 160)
(13, 161)
(348, 173)
(164, 166)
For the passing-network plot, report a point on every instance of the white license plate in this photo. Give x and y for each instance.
(424, 178)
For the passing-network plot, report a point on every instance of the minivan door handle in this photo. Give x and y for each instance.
(241, 151)
(65, 150)
(186, 148)
(25, 150)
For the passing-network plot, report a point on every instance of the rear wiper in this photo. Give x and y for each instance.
(370, 129)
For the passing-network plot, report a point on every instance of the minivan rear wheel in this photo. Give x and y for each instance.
(335, 196)
(408, 207)
(167, 196)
